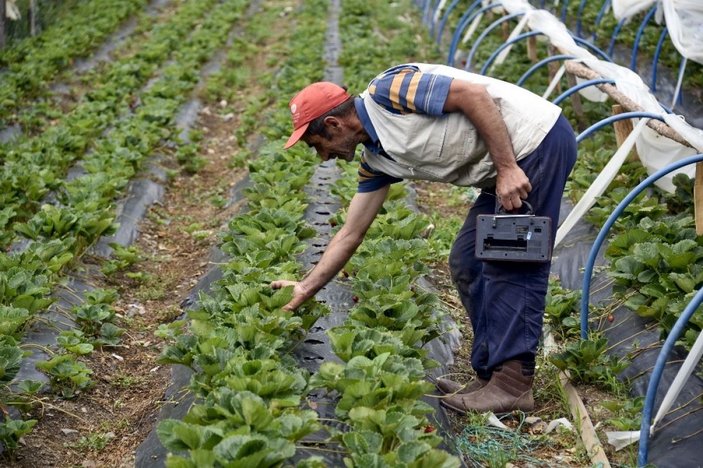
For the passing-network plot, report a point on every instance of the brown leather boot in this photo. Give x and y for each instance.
(447, 386)
(508, 390)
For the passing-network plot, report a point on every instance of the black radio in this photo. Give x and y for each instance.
(514, 237)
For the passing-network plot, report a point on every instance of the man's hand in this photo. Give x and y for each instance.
(512, 186)
(473, 100)
(299, 294)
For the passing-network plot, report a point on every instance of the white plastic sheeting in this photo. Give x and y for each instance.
(627, 82)
(683, 18)
(627, 8)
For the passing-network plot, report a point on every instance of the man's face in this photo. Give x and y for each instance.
(339, 143)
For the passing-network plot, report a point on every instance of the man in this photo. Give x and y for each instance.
(433, 122)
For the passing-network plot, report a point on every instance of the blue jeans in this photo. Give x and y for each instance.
(505, 300)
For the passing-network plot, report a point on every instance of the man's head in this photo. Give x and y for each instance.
(322, 117)
(313, 102)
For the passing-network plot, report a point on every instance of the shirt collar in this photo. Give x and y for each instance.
(373, 145)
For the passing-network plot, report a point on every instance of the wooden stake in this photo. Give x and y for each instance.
(33, 15)
(576, 104)
(622, 129)
(588, 432)
(698, 198)
(532, 49)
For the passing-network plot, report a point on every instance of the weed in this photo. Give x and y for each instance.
(94, 442)
(218, 201)
(122, 257)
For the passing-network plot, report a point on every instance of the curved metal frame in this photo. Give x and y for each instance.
(658, 370)
(558, 100)
(509, 43)
(655, 60)
(564, 11)
(464, 21)
(638, 37)
(579, 14)
(445, 18)
(613, 36)
(540, 64)
(485, 33)
(431, 16)
(588, 270)
(676, 330)
(599, 17)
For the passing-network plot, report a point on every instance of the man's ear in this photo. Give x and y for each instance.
(332, 122)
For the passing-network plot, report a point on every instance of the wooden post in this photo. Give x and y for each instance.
(581, 123)
(622, 129)
(698, 198)
(594, 449)
(505, 29)
(33, 15)
(532, 49)
(553, 68)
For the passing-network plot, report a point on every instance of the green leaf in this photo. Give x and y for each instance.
(647, 253)
(411, 451)
(363, 441)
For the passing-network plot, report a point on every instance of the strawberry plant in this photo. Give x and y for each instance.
(68, 376)
(561, 311)
(12, 320)
(74, 341)
(10, 359)
(12, 430)
(587, 362)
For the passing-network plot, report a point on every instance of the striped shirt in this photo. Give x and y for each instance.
(400, 90)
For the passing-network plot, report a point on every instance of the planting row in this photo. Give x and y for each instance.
(31, 64)
(83, 211)
(251, 406)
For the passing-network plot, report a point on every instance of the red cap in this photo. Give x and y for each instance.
(313, 101)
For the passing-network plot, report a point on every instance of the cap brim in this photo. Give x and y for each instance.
(296, 135)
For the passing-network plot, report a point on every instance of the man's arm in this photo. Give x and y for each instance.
(362, 211)
(478, 106)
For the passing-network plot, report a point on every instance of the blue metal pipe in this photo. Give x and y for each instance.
(558, 100)
(485, 33)
(522, 36)
(614, 118)
(504, 46)
(579, 15)
(616, 31)
(445, 18)
(564, 11)
(638, 37)
(599, 18)
(431, 16)
(655, 61)
(588, 270)
(658, 370)
(540, 64)
(464, 21)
